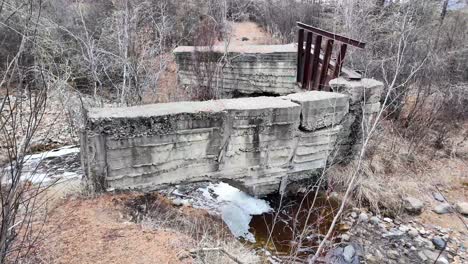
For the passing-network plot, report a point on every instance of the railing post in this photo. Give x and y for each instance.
(310, 73)
(305, 72)
(300, 54)
(315, 62)
(325, 63)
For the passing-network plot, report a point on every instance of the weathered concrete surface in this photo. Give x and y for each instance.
(254, 143)
(364, 96)
(254, 69)
(319, 109)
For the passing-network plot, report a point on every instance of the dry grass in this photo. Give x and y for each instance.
(157, 213)
(390, 172)
(113, 228)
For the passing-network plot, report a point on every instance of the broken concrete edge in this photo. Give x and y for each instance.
(183, 126)
(367, 91)
(317, 107)
(245, 49)
(364, 106)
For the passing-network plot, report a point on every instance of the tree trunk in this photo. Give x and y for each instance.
(444, 11)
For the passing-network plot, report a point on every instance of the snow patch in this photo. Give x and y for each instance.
(235, 207)
(51, 166)
(67, 150)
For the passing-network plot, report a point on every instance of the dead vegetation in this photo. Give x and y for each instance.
(133, 228)
(392, 171)
(116, 52)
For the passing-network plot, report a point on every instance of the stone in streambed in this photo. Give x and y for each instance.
(363, 217)
(348, 253)
(439, 243)
(444, 208)
(413, 205)
(439, 197)
(462, 208)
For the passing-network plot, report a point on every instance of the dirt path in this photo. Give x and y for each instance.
(248, 33)
(95, 231)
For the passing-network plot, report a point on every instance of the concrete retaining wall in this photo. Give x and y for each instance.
(254, 69)
(253, 143)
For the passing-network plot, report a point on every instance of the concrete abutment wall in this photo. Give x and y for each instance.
(253, 142)
(239, 70)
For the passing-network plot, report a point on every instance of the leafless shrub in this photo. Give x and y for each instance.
(24, 84)
(205, 61)
(279, 17)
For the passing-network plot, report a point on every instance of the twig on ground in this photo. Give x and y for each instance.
(220, 249)
(458, 214)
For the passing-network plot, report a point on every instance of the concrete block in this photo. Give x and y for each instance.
(314, 148)
(320, 109)
(250, 69)
(368, 91)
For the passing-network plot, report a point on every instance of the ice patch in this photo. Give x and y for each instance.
(230, 194)
(49, 167)
(235, 207)
(67, 150)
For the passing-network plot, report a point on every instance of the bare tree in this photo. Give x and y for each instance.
(24, 84)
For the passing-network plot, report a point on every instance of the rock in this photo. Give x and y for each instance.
(393, 233)
(439, 243)
(388, 220)
(442, 260)
(462, 208)
(423, 232)
(345, 237)
(363, 217)
(435, 257)
(393, 254)
(371, 259)
(348, 253)
(422, 256)
(444, 208)
(333, 256)
(413, 205)
(375, 220)
(353, 214)
(422, 242)
(439, 197)
(245, 39)
(180, 202)
(379, 255)
(403, 228)
(383, 227)
(413, 233)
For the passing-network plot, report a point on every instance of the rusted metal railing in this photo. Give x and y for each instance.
(311, 58)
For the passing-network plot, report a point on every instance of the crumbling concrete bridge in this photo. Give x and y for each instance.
(253, 142)
(256, 143)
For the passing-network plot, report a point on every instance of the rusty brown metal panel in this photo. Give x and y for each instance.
(326, 62)
(305, 72)
(315, 63)
(340, 60)
(333, 36)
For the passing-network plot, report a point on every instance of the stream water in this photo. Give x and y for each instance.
(283, 226)
(296, 225)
